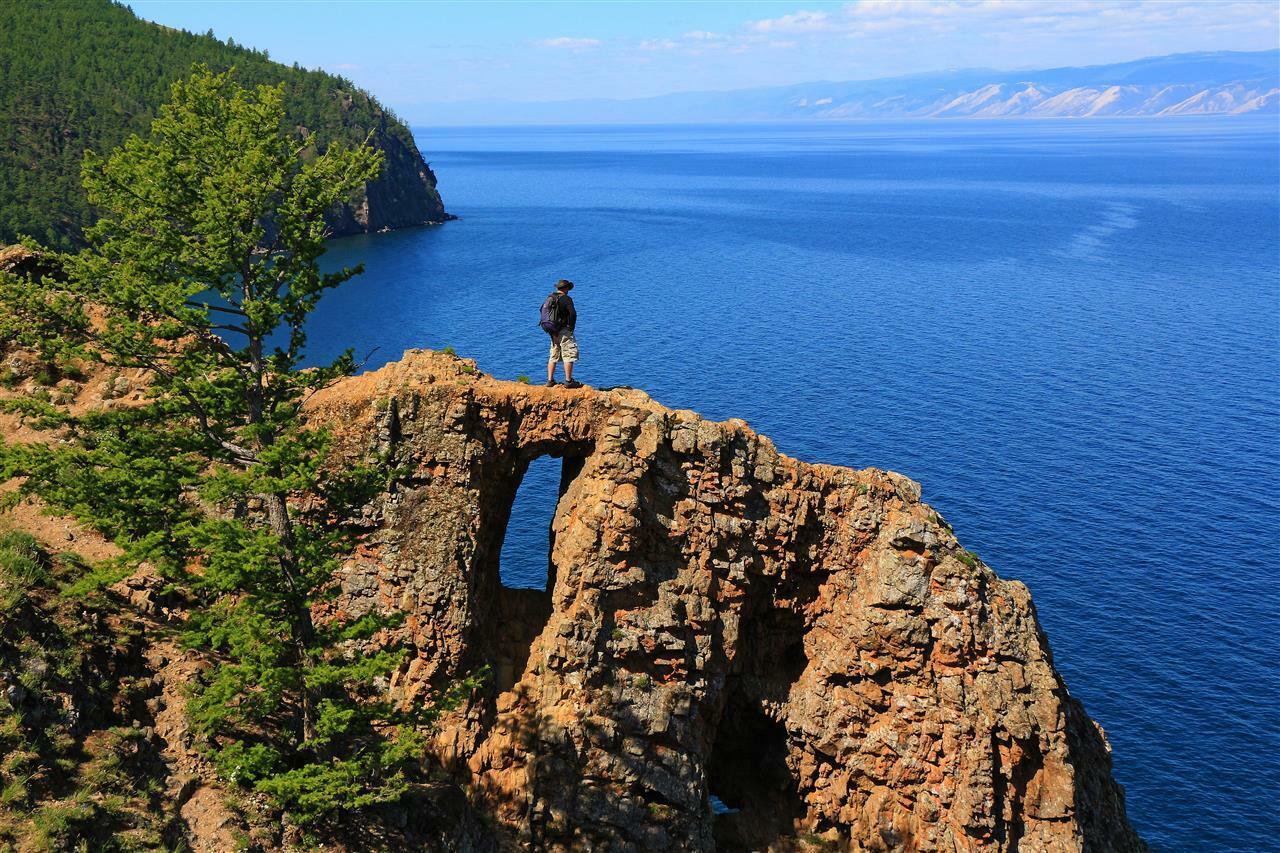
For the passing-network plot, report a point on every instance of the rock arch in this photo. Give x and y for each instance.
(710, 593)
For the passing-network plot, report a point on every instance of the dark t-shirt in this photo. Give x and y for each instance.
(573, 312)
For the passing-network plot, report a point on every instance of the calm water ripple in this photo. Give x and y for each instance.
(1068, 332)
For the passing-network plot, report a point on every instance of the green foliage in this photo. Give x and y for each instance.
(523, 379)
(73, 776)
(201, 272)
(244, 764)
(314, 791)
(449, 351)
(88, 583)
(660, 812)
(82, 75)
(969, 558)
(46, 374)
(22, 559)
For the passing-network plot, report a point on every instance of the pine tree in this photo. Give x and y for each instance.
(201, 272)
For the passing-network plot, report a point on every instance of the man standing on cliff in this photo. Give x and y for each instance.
(558, 318)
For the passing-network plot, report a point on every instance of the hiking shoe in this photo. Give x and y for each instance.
(551, 383)
(573, 383)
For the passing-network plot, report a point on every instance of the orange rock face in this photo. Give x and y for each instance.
(807, 643)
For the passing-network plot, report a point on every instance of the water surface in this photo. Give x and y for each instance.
(1069, 332)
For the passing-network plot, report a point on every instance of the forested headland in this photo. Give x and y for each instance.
(83, 75)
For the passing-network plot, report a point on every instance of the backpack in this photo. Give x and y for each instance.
(554, 315)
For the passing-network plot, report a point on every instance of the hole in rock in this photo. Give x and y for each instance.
(718, 807)
(755, 800)
(525, 570)
(525, 561)
(774, 641)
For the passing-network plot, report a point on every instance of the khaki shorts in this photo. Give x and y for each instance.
(564, 347)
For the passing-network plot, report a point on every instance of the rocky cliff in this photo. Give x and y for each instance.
(808, 644)
(404, 193)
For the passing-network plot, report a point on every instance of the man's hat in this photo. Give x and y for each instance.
(564, 284)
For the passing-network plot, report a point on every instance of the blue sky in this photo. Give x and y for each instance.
(411, 53)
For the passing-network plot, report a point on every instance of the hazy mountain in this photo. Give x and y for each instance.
(1225, 82)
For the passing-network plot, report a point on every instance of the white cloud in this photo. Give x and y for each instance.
(567, 43)
(1107, 17)
(347, 66)
(864, 39)
(800, 22)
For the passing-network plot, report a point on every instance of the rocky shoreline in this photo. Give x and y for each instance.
(404, 195)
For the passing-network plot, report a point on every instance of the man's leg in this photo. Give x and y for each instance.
(551, 371)
(569, 354)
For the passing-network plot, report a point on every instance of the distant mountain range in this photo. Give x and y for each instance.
(1220, 83)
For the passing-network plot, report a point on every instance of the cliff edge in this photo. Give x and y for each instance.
(806, 644)
(404, 193)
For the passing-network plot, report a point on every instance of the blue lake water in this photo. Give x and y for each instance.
(1069, 332)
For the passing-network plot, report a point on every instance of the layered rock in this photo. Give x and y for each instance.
(808, 644)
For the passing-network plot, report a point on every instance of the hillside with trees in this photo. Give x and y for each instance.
(205, 252)
(83, 75)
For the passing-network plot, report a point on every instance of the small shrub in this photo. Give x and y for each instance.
(15, 793)
(660, 812)
(449, 351)
(10, 378)
(47, 374)
(618, 634)
(22, 558)
(466, 368)
(56, 826)
(87, 582)
(245, 765)
(969, 558)
(643, 682)
(12, 595)
(523, 379)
